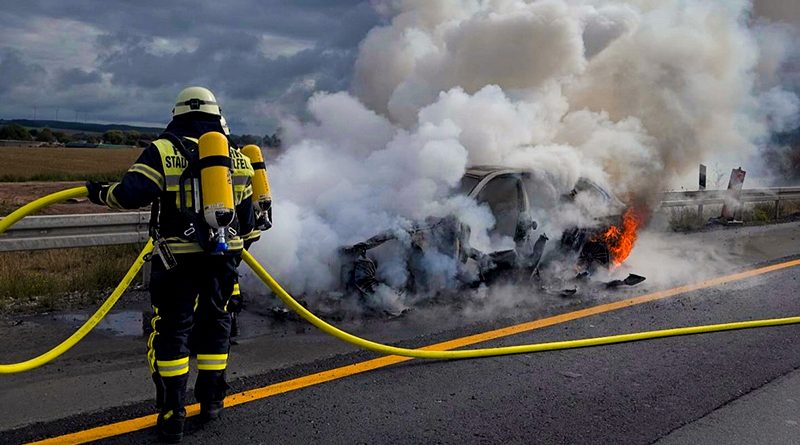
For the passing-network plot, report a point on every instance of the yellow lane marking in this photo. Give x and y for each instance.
(128, 426)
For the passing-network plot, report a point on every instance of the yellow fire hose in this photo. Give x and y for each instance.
(506, 350)
(8, 221)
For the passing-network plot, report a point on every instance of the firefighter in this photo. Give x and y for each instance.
(193, 273)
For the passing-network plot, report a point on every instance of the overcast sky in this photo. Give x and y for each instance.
(125, 61)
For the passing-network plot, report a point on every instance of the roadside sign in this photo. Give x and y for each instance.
(732, 203)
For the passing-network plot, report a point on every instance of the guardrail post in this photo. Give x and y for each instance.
(702, 187)
(777, 209)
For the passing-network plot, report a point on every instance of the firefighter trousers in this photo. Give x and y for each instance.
(190, 299)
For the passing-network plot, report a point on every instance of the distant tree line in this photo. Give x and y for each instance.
(117, 137)
(131, 137)
(20, 133)
(270, 140)
(77, 127)
(15, 132)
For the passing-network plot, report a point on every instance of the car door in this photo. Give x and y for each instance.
(504, 196)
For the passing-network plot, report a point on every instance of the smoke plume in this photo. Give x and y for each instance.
(631, 94)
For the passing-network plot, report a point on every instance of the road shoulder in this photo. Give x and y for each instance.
(768, 415)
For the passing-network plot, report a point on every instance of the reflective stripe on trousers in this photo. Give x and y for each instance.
(172, 368)
(212, 362)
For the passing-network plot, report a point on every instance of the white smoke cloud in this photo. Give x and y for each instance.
(348, 175)
(632, 94)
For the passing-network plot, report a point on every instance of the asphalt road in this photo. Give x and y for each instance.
(633, 393)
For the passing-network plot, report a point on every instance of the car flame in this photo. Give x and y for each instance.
(621, 239)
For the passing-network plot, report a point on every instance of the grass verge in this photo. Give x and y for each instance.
(684, 219)
(56, 279)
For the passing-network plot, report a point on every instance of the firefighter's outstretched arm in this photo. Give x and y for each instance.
(140, 185)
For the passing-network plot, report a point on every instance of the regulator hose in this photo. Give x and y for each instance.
(262, 273)
(65, 345)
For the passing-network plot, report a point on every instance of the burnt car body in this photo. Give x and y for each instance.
(507, 193)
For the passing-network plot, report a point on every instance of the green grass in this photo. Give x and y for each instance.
(684, 219)
(61, 278)
(760, 213)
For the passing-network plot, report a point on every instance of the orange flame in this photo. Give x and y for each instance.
(620, 241)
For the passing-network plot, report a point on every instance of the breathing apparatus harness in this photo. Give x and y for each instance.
(210, 224)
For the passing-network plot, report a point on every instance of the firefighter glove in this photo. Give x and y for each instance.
(98, 191)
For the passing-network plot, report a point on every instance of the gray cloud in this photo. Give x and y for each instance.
(15, 72)
(262, 58)
(778, 10)
(72, 77)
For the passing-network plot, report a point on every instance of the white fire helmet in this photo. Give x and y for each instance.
(196, 99)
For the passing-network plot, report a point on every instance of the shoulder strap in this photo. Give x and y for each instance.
(176, 141)
(152, 226)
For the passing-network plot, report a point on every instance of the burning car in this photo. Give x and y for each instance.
(437, 254)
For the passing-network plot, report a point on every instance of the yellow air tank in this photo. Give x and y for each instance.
(261, 194)
(215, 180)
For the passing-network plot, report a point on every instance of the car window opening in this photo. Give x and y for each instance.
(502, 196)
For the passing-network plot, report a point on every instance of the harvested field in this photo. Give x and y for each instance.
(64, 164)
(14, 195)
(55, 169)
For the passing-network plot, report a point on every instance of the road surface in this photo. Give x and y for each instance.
(731, 387)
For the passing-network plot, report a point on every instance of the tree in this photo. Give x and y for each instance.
(46, 135)
(273, 140)
(82, 137)
(132, 137)
(15, 132)
(115, 137)
(62, 137)
(244, 139)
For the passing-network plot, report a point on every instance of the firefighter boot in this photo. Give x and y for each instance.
(173, 415)
(170, 425)
(210, 391)
(210, 411)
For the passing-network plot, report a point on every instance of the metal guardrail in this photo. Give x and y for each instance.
(706, 197)
(57, 231)
(50, 232)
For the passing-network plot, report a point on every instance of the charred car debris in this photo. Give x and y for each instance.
(505, 192)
